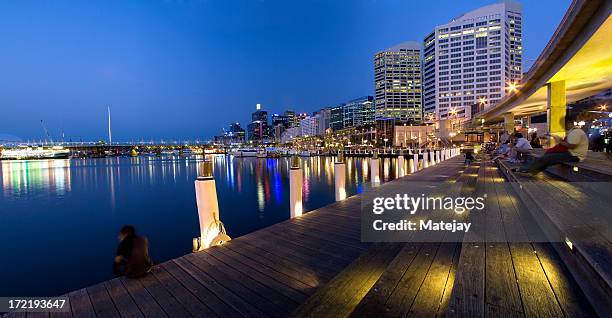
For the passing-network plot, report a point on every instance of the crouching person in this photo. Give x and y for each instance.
(132, 257)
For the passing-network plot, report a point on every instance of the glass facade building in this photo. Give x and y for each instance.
(397, 83)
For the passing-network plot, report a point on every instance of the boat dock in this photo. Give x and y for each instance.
(315, 265)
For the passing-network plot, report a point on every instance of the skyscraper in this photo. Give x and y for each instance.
(359, 112)
(397, 83)
(337, 117)
(258, 128)
(473, 60)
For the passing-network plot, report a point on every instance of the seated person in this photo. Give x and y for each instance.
(504, 150)
(572, 148)
(535, 141)
(521, 147)
(469, 157)
(132, 257)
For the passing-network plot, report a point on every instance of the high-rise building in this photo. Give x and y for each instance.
(309, 126)
(473, 60)
(258, 128)
(397, 83)
(291, 118)
(337, 117)
(358, 112)
(324, 120)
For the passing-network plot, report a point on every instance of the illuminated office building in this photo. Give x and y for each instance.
(472, 61)
(397, 83)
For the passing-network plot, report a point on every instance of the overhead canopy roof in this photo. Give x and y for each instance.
(579, 53)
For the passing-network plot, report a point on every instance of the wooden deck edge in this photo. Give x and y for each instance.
(585, 173)
(595, 285)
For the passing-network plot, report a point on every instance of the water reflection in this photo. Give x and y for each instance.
(20, 177)
(92, 198)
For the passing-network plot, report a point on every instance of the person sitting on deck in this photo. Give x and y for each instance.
(132, 257)
(535, 141)
(469, 157)
(572, 148)
(503, 151)
(521, 147)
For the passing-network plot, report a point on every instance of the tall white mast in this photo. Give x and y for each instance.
(110, 135)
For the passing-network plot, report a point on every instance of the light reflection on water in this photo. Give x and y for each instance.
(59, 218)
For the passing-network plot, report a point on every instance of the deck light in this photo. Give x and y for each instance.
(569, 244)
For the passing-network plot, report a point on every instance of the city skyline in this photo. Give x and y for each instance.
(153, 100)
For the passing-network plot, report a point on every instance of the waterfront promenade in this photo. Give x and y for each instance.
(316, 265)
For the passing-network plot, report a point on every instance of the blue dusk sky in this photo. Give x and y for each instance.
(185, 69)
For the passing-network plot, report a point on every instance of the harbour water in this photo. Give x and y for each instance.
(59, 218)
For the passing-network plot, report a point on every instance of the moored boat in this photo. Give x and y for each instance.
(24, 153)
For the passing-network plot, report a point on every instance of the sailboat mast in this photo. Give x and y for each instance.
(110, 135)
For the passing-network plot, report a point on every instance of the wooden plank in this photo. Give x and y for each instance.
(166, 301)
(429, 297)
(67, 313)
(200, 291)
(321, 272)
(142, 298)
(80, 304)
(536, 292)
(101, 301)
(450, 283)
(570, 296)
(297, 271)
(194, 306)
(502, 291)
(268, 301)
(326, 259)
(345, 291)
(122, 299)
(227, 296)
(267, 270)
(313, 244)
(374, 301)
(467, 298)
(402, 297)
(315, 260)
(297, 296)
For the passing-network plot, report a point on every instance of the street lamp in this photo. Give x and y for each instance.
(603, 107)
(512, 87)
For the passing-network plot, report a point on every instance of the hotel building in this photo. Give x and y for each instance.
(472, 61)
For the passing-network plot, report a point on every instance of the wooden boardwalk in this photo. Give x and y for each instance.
(317, 266)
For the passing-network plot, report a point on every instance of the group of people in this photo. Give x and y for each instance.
(515, 147)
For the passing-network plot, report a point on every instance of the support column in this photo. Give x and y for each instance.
(415, 163)
(438, 159)
(556, 109)
(295, 188)
(432, 157)
(425, 159)
(340, 178)
(375, 176)
(509, 122)
(211, 228)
